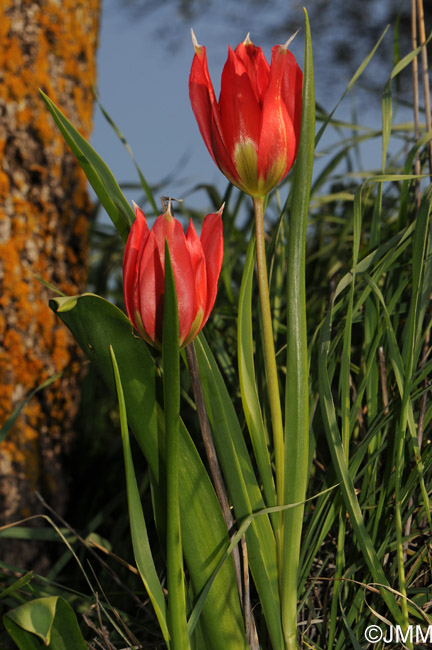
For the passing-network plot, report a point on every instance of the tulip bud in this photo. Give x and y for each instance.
(196, 265)
(252, 132)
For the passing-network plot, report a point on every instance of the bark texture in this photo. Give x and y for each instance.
(44, 210)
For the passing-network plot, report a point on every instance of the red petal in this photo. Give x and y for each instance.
(278, 144)
(239, 108)
(292, 88)
(256, 66)
(198, 262)
(212, 244)
(170, 229)
(150, 290)
(137, 238)
(206, 111)
(202, 97)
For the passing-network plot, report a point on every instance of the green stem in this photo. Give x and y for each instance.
(271, 372)
(269, 352)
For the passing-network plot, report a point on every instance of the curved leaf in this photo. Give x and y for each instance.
(50, 619)
(242, 486)
(97, 324)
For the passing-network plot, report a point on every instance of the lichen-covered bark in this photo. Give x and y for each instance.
(44, 209)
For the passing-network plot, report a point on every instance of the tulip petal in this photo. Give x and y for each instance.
(137, 239)
(212, 245)
(198, 262)
(202, 96)
(256, 66)
(278, 145)
(169, 229)
(291, 92)
(206, 111)
(239, 108)
(150, 290)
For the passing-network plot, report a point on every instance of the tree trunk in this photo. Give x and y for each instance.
(44, 210)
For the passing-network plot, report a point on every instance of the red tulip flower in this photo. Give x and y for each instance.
(252, 132)
(196, 264)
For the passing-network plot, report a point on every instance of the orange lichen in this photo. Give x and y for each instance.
(42, 195)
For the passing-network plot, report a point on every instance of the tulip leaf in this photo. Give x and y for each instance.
(248, 388)
(296, 457)
(50, 619)
(140, 542)
(98, 173)
(171, 391)
(97, 324)
(242, 486)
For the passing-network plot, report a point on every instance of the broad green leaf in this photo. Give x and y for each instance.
(22, 639)
(237, 538)
(242, 486)
(50, 619)
(97, 324)
(98, 173)
(140, 542)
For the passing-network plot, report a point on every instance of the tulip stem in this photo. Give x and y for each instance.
(270, 363)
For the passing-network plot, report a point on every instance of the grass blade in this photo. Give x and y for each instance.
(140, 542)
(342, 472)
(144, 184)
(98, 174)
(171, 389)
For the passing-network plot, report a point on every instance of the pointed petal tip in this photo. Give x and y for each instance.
(290, 40)
(196, 45)
(138, 211)
(139, 214)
